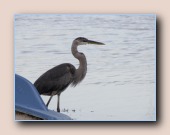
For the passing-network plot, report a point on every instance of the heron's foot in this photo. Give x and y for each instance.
(47, 105)
(58, 110)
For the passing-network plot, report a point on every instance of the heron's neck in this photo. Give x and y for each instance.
(82, 69)
(74, 49)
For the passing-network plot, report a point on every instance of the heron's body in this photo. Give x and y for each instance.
(56, 80)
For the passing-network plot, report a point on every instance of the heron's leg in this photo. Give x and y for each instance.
(58, 103)
(49, 100)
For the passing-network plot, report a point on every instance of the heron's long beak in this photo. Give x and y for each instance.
(94, 42)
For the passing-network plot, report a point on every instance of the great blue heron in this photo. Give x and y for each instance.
(56, 80)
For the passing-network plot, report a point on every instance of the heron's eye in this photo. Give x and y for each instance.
(84, 40)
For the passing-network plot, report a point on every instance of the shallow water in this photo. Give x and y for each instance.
(120, 81)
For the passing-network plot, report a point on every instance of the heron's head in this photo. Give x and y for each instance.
(84, 41)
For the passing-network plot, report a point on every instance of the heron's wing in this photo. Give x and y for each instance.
(58, 85)
(57, 78)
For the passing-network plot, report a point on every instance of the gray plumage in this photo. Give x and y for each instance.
(56, 80)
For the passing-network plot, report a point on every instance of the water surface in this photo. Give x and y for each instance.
(120, 81)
